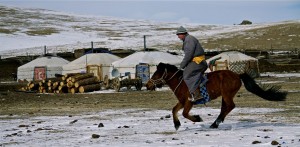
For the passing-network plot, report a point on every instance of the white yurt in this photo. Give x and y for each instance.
(41, 68)
(234, 61)
(97, 63)
(142, 64)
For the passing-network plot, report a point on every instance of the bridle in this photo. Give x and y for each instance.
(162, 80)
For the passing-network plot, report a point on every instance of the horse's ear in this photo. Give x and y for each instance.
(160, 66)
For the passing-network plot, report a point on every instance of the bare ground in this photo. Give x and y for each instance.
(35, 104)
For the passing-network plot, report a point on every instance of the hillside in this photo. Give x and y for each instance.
(27, 31)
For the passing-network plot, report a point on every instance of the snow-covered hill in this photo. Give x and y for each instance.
(27, 31)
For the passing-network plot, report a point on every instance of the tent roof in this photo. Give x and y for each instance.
(49, 61)
(231, 56)
(152, 58)
(94, 59)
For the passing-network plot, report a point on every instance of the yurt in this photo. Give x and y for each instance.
(234, 61)
(142, 64)
(97, 63)
(41, 68)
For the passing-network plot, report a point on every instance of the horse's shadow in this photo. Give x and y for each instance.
(240, 125)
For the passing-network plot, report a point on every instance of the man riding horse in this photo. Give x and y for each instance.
(193, 63)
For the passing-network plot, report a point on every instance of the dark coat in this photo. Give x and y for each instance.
(192, 71)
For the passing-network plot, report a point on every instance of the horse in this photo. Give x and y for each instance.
(224, 83)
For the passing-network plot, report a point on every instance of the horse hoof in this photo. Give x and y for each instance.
(214, 126)
(177, 125)
(198, 118)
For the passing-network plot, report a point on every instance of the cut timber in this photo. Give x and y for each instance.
(80, 77)
(63, 89)
(69, 75)
(34, 86)
(52, 80)
(87, 81)
(70, 84)
(89, 88)
(74, 90)
(62, 83)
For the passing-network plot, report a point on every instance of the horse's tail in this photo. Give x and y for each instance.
(271, 93)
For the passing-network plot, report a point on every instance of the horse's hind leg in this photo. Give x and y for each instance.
(227, 106)
(175, 110)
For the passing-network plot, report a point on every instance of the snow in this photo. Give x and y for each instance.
(78, 31)
(272, 74)
(146, 127)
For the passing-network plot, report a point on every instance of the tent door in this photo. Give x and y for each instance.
(97, 70)
(40, 73)
(221, 65)
(143, 72)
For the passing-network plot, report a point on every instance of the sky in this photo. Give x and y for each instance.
(224, 12)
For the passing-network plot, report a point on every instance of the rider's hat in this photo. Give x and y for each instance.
(181, 30)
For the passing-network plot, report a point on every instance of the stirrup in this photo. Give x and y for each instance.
(193, 99)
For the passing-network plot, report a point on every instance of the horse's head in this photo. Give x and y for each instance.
(161, 75)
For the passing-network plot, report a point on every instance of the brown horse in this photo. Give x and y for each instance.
(223, 83)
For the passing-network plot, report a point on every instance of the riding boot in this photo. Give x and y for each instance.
(196, 96)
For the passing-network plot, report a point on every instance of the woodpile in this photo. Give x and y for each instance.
(69, 83)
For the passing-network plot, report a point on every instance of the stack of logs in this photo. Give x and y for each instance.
(69, 83)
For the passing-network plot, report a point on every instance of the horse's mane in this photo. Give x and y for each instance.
(169, 67)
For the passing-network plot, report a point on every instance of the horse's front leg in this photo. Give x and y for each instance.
(175, 110)
(186, 110)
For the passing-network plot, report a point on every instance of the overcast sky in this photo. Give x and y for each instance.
(187, 11)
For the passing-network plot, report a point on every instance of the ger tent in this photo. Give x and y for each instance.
(41, 68)
(142, 64)
(234, 61)
(97, 63)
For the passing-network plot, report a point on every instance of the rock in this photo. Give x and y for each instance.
(256, 142)
(95, 136)
(74, 121)
(23, 126)
(168, 116)
(274, 142)
(148, 141)
(100, 125)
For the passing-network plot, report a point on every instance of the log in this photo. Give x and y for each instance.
(50, 90)
(58, 75)
(49, 84)
(34, 86)
(64, 77)
(55, 86)
(89, 88)
(74, 90)
(62, 83)
(70, 84)
(63, 89)
(82, 76)
(69, 75)
(87, 81)
(52, 80)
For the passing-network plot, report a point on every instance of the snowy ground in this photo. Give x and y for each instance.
(77, 31)
(144, 127)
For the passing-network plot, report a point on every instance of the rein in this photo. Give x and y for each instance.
(162, 80)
